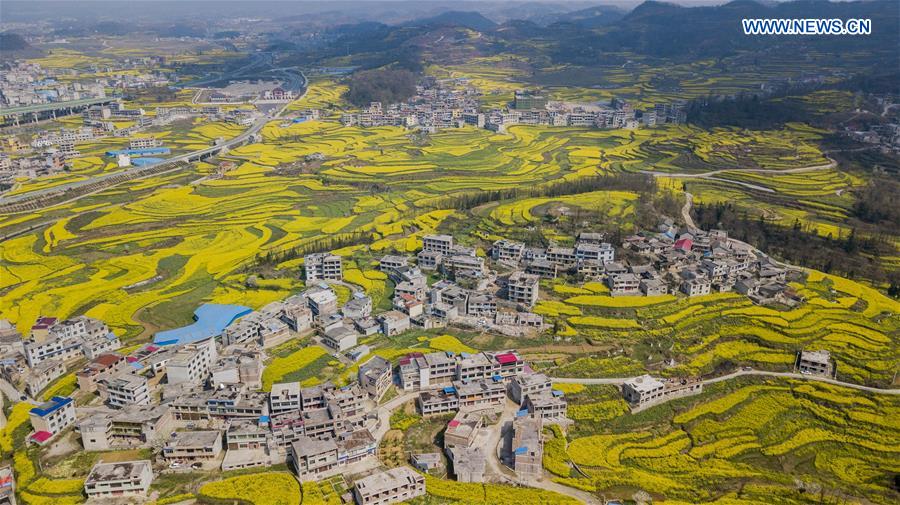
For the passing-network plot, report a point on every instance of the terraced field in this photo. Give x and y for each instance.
(775, 441)
(857, 324)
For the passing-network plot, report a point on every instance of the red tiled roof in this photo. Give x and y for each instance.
(43, 323)
(41, 436)
(684, 243)
(507, 358)
(107, 359)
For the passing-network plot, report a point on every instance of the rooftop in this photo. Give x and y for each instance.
(193, 439)
(50, 406)
(386, 481)
(126, 470)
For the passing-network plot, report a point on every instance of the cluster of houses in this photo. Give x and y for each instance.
(23, 83)
(474, 387)
(696, 263)
(198, 400)
(50, 151)
(38, 361)
(415, 302)
(435, 106)
(199, 405)
(440, 104)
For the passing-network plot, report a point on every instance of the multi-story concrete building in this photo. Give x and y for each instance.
(392, 486)
(192, 362)
(602, 253)
(438, 402)
(193, 446)
(313, 456)
(51, 417)
(42, 375)
(696, 287)
(523, 288)
(481, 305)
(462, 430)
(653, 287)
(55, 348)
(562, 256)
(375, 376)
(340, 338)
(429, 260)
(546, 405)
(626, 284)
(295, 312)
(127, 389)
(507, 250)
(323, 266)
(468, 462)
(284, 397)
(129, 427)
(527, 447)
(815, 363)
(394, 323)
(116, 480)
(523, 385)
(322, 302)
(476, 366)
(442, 244)
(392, 262)
(480, 394)
(645, 390)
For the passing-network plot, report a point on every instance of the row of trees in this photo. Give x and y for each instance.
(639, 183)
(383, 85)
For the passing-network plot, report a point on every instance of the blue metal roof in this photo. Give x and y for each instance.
(523, 412)
(263, 419)
(140, 162)
(210, 320)
(140, 152)
(51, 406)
(521, 450)
(449, 390)
(558, 393)
(497, 378)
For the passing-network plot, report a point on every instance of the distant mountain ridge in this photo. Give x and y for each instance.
(13, 45)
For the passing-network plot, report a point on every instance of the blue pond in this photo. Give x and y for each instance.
(209, 321)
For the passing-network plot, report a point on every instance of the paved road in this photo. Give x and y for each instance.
(500, 472)
(705, 175)
(740, 373)
(384, 413)
(254, 129)
(686, 210)
(11, 393)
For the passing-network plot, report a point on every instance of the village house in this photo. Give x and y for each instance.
(121, 479)
(527, 447)
(391, 486)
(374, 377)
(103, 366)
(193, 446)
(50, 418)
(816, 363)
(323, 266)
(523, 385)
